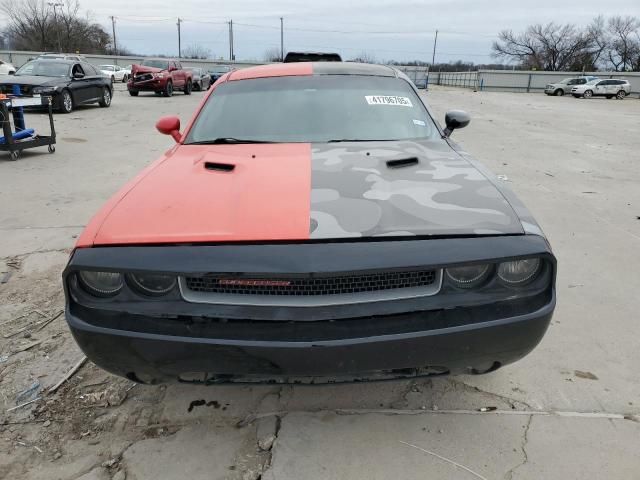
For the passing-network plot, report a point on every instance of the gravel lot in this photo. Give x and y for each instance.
(576, 165)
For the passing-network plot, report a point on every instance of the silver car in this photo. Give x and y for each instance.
(565, 86)
(603, 88)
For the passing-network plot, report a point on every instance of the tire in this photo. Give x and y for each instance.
(66, 102)
(133, 93)
(105, 102)
(14, 155)
(197, 87)
(168, 89)
(587, 94)
(113, 79)
(188, 87)
(125, 78)
(51, 148)
(575, 95)
(621, 94)
(559, 92)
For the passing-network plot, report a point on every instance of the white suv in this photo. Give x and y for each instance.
(603, 88)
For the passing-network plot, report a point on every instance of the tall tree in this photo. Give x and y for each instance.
(34, 25)
(624, 44)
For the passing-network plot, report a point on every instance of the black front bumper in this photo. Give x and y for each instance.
(210, 353)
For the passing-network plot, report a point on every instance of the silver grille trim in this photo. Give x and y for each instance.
(201, 295)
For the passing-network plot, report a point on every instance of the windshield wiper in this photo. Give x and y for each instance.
(227, 140)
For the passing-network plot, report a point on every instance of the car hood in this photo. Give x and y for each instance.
(144, 69)
(32, 80)
(269, 192)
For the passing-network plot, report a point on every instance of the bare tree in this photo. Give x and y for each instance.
(32, 25)
(272, 55)
(624, 44)
(544, 47)
(364, 57)
(196, 51)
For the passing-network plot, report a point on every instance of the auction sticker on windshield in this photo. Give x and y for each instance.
(388, 100)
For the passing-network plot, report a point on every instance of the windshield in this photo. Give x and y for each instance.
(219, 69)
(45, 68)
(162, 64)
(313, 109)
(593, 82)
(106, 67)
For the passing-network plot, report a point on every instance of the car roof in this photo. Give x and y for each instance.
(59, 60)
(312, 68)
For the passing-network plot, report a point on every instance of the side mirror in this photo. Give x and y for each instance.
(455, 119)
(78, 76)
(172, 69)
(170, 126)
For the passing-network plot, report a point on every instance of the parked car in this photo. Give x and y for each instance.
(201, 79)
(69, 83)
(161, 76)
(218, 71)
(560, 88)
(62, 56)
(603, 88)
(116, 73)
(313, 222)
(6, 68)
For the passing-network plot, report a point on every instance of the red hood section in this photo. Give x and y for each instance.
(193, 197)
(136, 69)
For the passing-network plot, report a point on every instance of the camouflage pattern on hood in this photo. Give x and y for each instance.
(354, 193)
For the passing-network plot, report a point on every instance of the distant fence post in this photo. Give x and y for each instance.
(529, 84)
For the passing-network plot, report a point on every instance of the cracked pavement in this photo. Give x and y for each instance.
(98, 427)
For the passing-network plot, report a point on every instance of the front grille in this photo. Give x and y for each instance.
(8, 89)
(311, 285)
(143, 77)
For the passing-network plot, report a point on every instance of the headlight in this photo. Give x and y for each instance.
(519, 272)
(44, 90)
(101, 284)
(151, 283)
(469, 276)
(158, 75)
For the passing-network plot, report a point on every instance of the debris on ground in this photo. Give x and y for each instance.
(586, 375)
(69, 374)
(29, 393)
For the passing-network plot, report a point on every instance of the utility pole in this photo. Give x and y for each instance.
(55, 5)
(230, 41)
(281, 39)
(435, 42)
(115, 43)
(179, 39)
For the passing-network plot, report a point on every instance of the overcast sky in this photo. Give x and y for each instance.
(386, 29)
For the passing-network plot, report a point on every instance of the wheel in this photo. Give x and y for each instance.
(14, 155)
(559, 92)
(168, 89)
(133, 93)
(197, 87)
(105, 102)
(113, 79)
(188, 87)
(51, 148)
(588, 94)
(125, 78)
(66, 102)
(621, 94)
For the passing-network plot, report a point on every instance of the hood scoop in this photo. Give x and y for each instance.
(219, 167)
(403, 162)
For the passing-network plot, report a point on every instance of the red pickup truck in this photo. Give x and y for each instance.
(162, 76)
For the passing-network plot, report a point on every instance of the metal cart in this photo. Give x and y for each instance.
(15, 147)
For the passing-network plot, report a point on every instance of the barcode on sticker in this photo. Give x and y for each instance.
(388, 100)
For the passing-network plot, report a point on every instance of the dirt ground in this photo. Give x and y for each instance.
(569, 410)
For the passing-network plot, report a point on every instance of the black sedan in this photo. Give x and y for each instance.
(218, 71)
(70, 83)
(201, 79)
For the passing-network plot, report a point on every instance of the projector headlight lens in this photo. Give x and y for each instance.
(519, 272)
(469, 276)
(101, 284)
